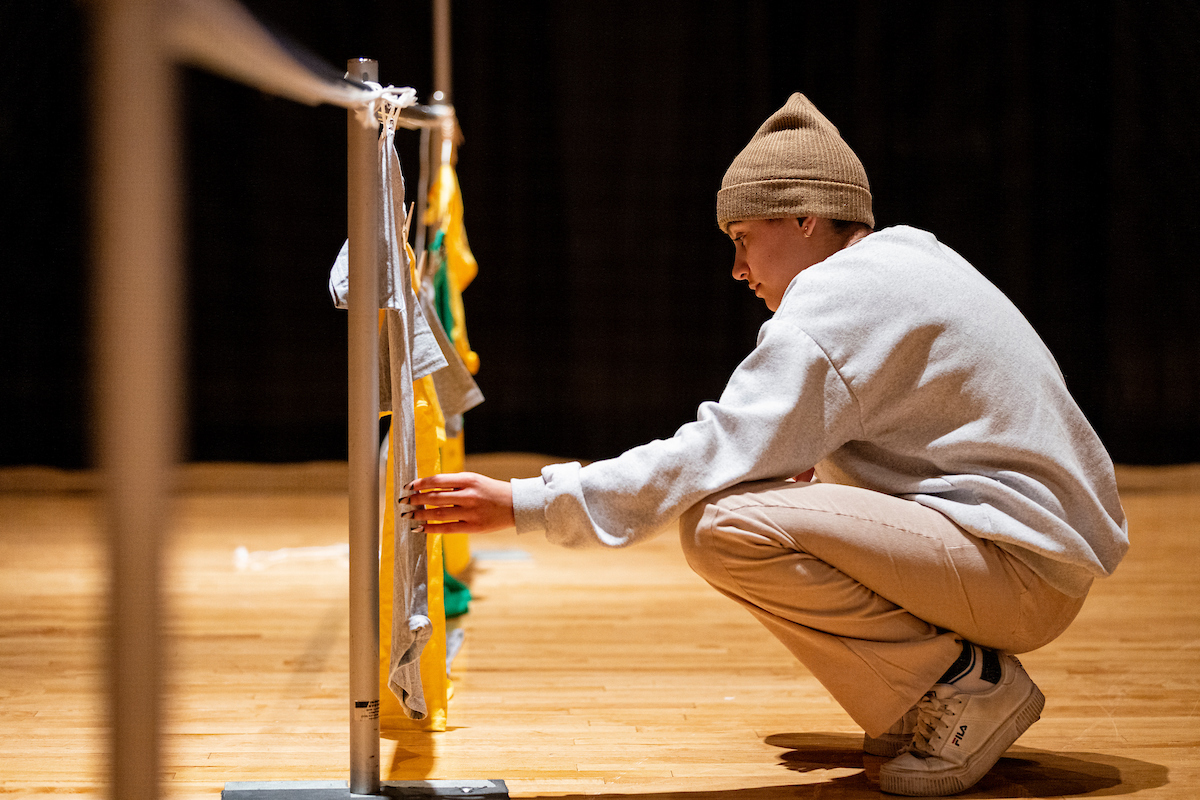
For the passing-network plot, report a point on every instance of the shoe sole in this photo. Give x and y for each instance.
(966, 776)
(886, 746)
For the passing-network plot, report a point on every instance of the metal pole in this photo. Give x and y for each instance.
(422, 192)
(363, 185)
(432, 138)
(137, 377)
(441, 50)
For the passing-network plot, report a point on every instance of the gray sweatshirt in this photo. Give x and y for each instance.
(893, 365)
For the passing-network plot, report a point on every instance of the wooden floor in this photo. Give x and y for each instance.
(585, 673)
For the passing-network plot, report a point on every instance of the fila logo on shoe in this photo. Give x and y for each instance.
(958, 736)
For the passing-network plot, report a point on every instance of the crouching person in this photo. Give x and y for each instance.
(895, 481)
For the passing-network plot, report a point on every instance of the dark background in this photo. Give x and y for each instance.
(1052, 144)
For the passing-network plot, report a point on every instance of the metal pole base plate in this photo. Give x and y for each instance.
(340, 790)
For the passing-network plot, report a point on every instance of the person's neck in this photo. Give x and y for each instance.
(857, 235)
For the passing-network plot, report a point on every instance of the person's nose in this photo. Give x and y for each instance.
(741, 271)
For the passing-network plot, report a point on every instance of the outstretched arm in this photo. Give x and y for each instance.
(464, 502)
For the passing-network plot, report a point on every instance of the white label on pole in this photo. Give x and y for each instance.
(365, 710)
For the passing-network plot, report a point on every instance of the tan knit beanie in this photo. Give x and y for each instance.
(795, 166)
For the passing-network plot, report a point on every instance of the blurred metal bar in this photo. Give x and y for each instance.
(422, 193)
(431, 116)
(441, 50)
(137, 340)
(435, 127)
(364, 190)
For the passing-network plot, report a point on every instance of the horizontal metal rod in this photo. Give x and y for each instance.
(431, 116)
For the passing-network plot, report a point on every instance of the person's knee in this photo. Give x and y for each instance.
(695, 538)
(714, 532)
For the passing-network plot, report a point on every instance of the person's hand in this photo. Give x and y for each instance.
(461, 502)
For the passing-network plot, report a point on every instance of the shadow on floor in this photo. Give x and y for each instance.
(1024, 772)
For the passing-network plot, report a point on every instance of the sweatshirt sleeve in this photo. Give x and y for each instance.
(783, 410)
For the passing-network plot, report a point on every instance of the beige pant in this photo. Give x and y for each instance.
(869, 591)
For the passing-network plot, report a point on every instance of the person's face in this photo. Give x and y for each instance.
(768, 254)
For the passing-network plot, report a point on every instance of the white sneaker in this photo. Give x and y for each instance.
(897, 737)
(960, 736)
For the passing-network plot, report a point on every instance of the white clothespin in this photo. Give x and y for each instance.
(408, 221)
(390, 111)
(421, 269)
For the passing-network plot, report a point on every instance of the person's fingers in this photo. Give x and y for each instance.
(439, 514)
(450, 527)
(451, 498)
(445, 480)
(444, 497)
(463, 489)
(472, 503)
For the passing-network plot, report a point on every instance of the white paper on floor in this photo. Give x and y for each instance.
(259, 560)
